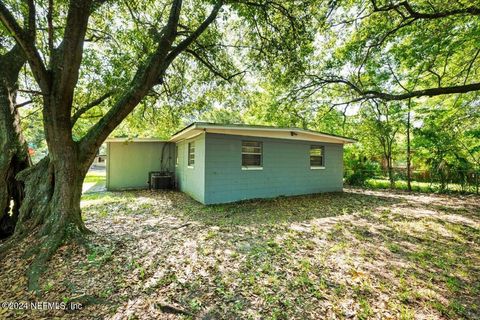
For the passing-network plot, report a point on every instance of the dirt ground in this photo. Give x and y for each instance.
(358, 254)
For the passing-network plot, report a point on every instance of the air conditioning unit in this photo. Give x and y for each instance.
(159, 180)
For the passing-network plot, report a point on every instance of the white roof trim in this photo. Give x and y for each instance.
(268, 132)
(127, 140)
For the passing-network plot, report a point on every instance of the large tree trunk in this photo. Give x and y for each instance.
(51, 207)
(13, 149)
(50, 213)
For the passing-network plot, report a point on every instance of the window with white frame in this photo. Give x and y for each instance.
(191, 154)
(317, 157)
(252, 154)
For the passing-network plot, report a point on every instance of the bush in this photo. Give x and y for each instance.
(360, 171)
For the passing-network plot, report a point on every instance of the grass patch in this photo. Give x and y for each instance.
(95, 176)
(417, 186)
(358, 254)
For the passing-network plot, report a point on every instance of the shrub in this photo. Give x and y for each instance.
(360, 171)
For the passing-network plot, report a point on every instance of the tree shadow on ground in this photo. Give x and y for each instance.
(427, 259)
(358, 254)
(434, 261)
(282, 209)
(339, 255)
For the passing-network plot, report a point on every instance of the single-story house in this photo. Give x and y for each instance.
(218, 163)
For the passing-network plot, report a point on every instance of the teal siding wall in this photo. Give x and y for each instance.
(192, 180)
(286, 169)
(128, 163)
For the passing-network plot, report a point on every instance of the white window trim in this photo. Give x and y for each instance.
(188, 154)
(322, 147)
(254, 153)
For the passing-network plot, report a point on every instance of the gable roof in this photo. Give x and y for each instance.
(292, 133)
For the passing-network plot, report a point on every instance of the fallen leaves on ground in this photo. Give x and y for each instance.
(358, 255)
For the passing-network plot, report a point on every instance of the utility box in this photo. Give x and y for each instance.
(159, 180)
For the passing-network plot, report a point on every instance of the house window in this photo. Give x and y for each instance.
(176, 155)
(251, 155)
(191, 154)
(317, 157)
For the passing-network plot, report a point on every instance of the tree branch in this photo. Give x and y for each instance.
(23, 104)
(412, 13)
(431, 92)
(26, 41)
(147, 75)
(375, 94)
(212, 68)
(194, 35)
(50, 26)
(68, 56)
(34, 92)
(470, 66)
(90, 105)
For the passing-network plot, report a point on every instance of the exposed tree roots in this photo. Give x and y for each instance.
(45, 219)
(13, 149)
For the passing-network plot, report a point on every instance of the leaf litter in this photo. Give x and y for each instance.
(360, 254)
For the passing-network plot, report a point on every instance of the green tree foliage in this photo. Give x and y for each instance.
(447, 142)
(145, 68)
(378, 52)
(396, 50)
(93, 62)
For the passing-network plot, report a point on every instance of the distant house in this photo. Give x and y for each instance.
(217, 163)
(100, 158)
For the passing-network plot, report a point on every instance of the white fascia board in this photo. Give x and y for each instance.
(293, 134)
(295, 130)
(128, 140)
